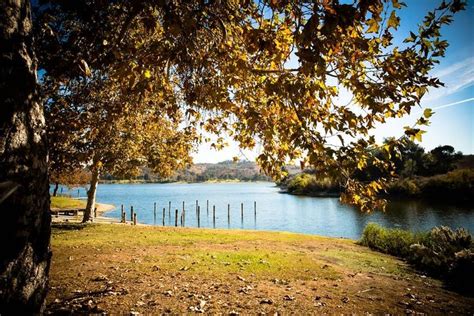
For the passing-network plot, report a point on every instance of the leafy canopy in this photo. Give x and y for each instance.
(267, 72)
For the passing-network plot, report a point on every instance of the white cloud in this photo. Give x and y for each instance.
(455, 77)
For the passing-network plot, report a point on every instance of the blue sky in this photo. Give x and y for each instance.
(453, 104)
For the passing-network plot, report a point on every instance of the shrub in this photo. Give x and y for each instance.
(396, 242)
(441, 252)
(406, 187)
(305, 183)
(446, 253)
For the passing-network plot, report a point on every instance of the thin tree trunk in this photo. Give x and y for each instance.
(91, 194)
(56, 187)
(25, 227)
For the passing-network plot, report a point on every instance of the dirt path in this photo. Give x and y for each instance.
(150, 270)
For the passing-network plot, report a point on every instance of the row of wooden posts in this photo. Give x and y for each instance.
(182, 216)
(133, 216)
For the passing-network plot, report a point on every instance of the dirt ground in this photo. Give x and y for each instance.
(123, 269)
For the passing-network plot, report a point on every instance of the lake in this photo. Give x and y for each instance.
(275, 211)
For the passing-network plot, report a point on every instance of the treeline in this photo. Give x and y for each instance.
(202, 172)
(439, 173)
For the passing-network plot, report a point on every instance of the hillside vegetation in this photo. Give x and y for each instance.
(201, 172)
(441, 173)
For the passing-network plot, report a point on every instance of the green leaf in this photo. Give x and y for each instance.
(427, 113)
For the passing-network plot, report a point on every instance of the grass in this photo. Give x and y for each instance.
(66, 202)
(153, 270)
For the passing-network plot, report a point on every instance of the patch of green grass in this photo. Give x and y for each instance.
(248, 263)
(65, 202)
(366, 261)
(138, 236)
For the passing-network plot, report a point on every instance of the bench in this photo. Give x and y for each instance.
(67, 211)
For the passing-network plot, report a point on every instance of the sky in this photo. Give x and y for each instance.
(453, 121)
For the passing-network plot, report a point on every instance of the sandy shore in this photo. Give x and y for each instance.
(102, 208)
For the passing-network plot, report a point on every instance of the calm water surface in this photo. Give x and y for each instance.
(275, 211)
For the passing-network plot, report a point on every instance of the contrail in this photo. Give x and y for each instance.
(454, 103)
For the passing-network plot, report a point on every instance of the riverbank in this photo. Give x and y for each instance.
(457, 186)
(152, 270)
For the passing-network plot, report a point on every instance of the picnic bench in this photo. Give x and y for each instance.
(67, 211)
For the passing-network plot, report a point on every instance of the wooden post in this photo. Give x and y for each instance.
(184, 218)
(255, 209)
(154, 213)
(131, 213)
(207, 207)
(95, 211)
(199, 216)
(122, 217)
(214, 216)
(242, 211)
(176, 218)
(183, 215)
(78, 192)
(181, 219)
(164, 213)
(169, 209)
(197, 204)
(228, 214)
(134, 218)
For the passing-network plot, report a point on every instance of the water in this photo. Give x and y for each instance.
(275, 211)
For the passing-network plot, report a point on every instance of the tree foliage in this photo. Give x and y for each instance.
(271, 72)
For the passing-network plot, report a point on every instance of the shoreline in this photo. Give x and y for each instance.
(180, 182)
(103, 208)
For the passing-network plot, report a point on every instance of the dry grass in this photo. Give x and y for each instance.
(61, 202)
(152, 270)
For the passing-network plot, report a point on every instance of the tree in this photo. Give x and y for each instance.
(441, 160)
(113, 132)
(70, 178)
(225, 66)
(24, 203)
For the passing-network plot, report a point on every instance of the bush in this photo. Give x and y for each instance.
(446, 253)
(406, 187)
(305, 183)
(395, 242)
(441, 252)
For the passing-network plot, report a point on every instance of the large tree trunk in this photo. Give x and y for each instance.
(24, 207)
(56, 187)
(91, 193)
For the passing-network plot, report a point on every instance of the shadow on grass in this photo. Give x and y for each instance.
(68, 226)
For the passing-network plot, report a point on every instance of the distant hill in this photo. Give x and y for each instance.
(201, 172)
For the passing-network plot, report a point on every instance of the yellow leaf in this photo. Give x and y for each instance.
(147, 74)
(393, 21)
(373, 26)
